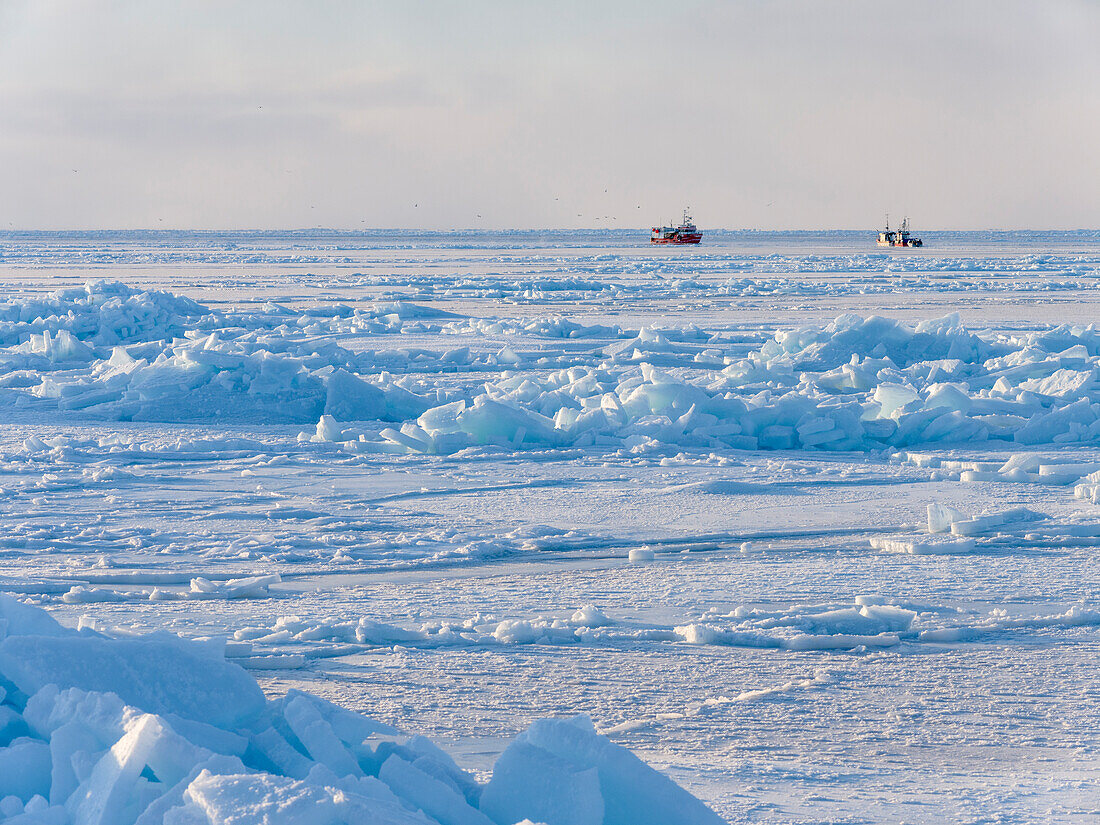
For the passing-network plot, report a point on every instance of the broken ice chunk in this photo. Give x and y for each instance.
(923, 545)
(640, 555)
(988, 523)
(941, 517)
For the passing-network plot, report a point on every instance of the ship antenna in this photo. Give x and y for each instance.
(887, 221)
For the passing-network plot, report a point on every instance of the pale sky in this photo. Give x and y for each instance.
(769, 114)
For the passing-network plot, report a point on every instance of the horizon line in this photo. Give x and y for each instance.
(512, 230)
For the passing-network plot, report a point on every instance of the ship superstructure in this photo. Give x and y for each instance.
(686, 232)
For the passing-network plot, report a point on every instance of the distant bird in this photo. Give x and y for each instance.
(415, 205)
(479, 214)
(76, 170)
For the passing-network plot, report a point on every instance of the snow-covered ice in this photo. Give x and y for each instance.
(159, 729)
(472, 528)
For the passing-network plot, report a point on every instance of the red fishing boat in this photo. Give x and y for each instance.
(686, 232)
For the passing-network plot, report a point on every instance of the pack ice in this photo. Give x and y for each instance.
(97, 730)
(855, 384)
(703, 480)
(108, 351)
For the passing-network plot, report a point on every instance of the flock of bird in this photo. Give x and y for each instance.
(479, 215)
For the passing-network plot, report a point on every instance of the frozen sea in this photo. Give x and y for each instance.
(461, 481)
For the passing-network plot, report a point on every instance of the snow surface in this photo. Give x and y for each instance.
(808, 527)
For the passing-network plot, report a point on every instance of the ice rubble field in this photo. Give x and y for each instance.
(810, 529)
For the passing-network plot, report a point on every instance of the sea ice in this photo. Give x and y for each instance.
(148, 729)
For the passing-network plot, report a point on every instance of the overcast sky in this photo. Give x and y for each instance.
(766, 114)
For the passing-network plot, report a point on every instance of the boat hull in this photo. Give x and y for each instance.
(696, 237)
